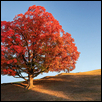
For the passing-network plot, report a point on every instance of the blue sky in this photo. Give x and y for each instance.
(82, 19)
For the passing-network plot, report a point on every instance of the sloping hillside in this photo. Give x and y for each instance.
(84, 86)
(93, 72)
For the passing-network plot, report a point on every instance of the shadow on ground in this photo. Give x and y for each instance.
(57, 88)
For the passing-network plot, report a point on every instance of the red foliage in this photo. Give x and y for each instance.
(9, 72)
(32, 43)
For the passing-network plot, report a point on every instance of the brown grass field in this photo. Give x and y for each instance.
(83, 86)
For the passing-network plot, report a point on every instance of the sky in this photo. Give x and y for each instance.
(82, 19)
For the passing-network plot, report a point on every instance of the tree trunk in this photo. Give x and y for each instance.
(30, 81)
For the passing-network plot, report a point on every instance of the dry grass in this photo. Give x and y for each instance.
(84, 86)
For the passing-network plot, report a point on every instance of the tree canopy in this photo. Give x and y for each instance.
(34, 42)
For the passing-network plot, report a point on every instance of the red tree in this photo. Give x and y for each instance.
(32, 44)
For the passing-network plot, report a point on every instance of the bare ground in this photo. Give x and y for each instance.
(63, 87)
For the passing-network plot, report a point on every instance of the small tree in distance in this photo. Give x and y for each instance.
(32, 44)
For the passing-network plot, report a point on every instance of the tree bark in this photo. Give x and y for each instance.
(30, 81)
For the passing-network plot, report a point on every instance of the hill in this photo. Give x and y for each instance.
(83, 86)
(93, 72)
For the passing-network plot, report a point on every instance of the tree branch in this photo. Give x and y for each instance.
(20, 77)
(24, 60)
(36, 74)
